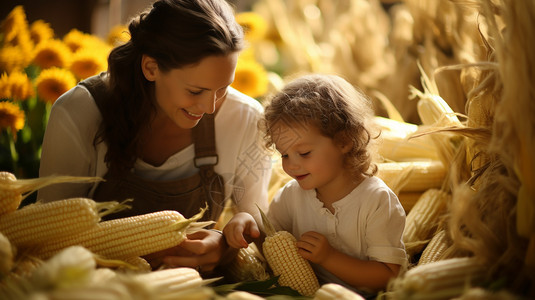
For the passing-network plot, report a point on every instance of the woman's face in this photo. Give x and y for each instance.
(184, 95)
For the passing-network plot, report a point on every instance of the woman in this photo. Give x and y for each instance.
(164, 127)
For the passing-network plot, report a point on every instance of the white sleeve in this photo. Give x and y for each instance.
(68, 144)
(384, 230)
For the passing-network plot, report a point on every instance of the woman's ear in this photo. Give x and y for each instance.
(149, 66)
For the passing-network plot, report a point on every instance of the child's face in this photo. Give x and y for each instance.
(308, 156)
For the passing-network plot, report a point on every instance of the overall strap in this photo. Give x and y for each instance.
(204, 140)
(98, 87)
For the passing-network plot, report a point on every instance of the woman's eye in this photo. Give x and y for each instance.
(195, 92)
(305, 154)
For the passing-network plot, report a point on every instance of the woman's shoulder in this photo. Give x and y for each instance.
(76, 100)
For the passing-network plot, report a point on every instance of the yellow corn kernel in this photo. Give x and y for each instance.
(397, 145)
(248, 265)
(10, 198)
(13, 190)
(423, 219)
(332, 291)
(443, 279)
(38, 223)
(436, 247)
(412, 176)
(281, 254)
(127, 237)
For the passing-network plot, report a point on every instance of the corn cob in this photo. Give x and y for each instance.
(397, 145)
(248, 265)
(133, 236)
(414, 176)
(170, 280)
(13, 191)
(6, 256)
(281, 254)
(444, 279)
(423, 220)
(331, 291)
(38, 223)
(436, 247)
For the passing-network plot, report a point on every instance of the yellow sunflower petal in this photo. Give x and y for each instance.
(20, 86)
(52, 53)
(14, 23)
(253, 24)
(86, 63)
(250, 78)
(52, 83)
(11, 116)
(11, 59)
(41, 31)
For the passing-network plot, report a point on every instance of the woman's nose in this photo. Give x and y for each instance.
(207, 104)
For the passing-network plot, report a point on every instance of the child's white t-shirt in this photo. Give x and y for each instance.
(367, 224)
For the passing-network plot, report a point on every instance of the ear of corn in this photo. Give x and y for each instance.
(127, 237)
(422, 220)
(39, 223)
(281, 254)
(248, 265)
(444, 279)
(10, 198)
(397, 145)
(330, 291)
(436, 247)
(13, 190)
(412, 176)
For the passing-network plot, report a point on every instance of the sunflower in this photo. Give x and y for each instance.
(76, 40)
(118, 35)
(52, 83)
(20, 86)
(14, 23)
(11, 59)
(86, 63)
(52, 53)
(5, 91)
(251, 78)
(41, 31)
(11, 116)
(253, 24)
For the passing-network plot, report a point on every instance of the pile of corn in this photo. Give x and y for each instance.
(453, 84)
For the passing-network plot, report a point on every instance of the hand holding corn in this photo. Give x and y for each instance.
(314, 247)
(241, 226)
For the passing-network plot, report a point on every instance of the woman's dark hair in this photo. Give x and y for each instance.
(176, 33)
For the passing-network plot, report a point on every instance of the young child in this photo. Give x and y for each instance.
(348, 223)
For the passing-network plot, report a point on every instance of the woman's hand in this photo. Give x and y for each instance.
(240, 230)
(202, 250)
(314, 246)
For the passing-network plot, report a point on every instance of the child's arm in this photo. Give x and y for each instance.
(359, 273)
(241, 230)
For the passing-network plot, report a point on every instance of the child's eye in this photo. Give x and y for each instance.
(284, 155)
(195, 92)
(305, 154)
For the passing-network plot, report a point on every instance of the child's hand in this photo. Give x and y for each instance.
(314, 247)
(242, 224)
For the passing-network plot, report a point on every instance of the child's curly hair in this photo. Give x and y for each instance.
(335, 107)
